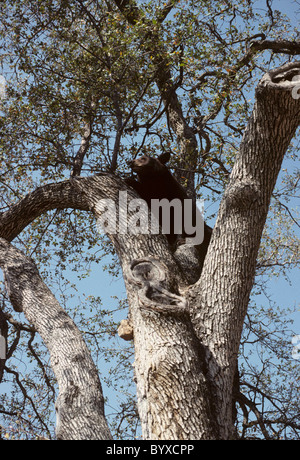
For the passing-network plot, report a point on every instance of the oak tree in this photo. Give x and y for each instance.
(90, 85)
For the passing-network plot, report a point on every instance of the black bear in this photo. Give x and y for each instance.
(155, 181)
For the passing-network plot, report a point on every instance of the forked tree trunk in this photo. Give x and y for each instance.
(186, 337)
(185, 371)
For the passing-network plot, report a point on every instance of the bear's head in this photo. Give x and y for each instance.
(147, 166)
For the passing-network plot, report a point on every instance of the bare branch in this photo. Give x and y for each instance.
(278, 46)
(43, 199)
(129, 9)
(243, 400)
(166, 9)
(83, 149)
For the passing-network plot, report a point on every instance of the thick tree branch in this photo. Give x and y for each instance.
(278, 46)
(236, 236)
(43, 199)
(80, 402)
(81, 193)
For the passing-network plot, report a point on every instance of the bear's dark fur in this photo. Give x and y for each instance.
(155, 181)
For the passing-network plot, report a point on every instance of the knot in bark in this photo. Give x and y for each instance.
(241, 195)
(149, 275)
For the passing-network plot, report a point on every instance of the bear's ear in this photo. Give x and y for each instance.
(164, 157)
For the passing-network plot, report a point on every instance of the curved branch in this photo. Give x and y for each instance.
(80, 402)
(84, 193)
(66, 194)
(278, 46)
(43, 199)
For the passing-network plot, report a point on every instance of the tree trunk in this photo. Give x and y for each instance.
(172, 391)
(184, 370)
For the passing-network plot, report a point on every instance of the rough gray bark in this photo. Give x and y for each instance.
(43, 199)
(80, 403)
(220, 299)
(152, 361)
(173, 397)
